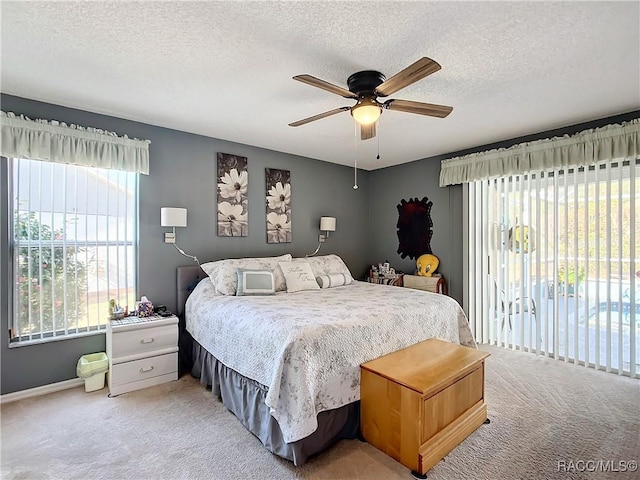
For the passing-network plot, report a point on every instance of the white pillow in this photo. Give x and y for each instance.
(326, 265)
(224, 273)
(334, 280)
(255, 282)
(299, 276)
(211, 269)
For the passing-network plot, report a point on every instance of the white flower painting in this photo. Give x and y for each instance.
(233, 199)
(234, 185)
(278, 205)
(279, 197)
(278, 228)
(231, 220)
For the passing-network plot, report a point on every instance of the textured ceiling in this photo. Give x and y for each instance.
(223, 69)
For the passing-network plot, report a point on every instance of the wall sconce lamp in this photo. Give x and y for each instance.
(327, 224)
(174, 217)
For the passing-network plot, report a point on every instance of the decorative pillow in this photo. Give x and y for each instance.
(326, 265)
(255, 282)
(299, 276)
(211, 269)
(334, 280)
(224, 273)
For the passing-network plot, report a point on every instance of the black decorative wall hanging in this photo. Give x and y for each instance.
(415, 227)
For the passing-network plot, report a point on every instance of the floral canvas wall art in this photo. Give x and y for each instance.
(278, 205)
(233, 200)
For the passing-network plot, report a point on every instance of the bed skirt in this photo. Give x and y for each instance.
(245, 398)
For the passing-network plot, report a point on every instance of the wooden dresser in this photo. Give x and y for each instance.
(419, 403)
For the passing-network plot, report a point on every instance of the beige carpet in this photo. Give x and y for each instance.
(542, 412)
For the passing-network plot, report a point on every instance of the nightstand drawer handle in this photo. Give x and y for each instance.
(147, 340)
(146, 369)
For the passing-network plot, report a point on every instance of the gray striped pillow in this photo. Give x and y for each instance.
(334, 280)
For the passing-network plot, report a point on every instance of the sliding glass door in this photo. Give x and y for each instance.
(553, 264)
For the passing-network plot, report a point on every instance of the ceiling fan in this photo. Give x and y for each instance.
(365, 87)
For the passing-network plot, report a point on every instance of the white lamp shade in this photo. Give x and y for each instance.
(366, 111)
(173, 217)
(328, 224)
(366, 115)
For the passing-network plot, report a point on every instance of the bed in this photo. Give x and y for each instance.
(287, 364)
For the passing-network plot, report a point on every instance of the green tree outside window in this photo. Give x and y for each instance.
(45, 266)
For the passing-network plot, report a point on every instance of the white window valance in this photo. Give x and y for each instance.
(584, 148)
(58, 142)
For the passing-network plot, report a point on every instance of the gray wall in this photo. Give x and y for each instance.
(417, 179)
(183, 174)
(421, 179)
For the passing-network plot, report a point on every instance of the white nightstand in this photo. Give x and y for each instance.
(142, 352)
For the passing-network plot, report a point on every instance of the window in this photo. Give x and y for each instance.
(553, 262)
(73, 246)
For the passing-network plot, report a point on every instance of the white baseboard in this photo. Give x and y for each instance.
(43, 390)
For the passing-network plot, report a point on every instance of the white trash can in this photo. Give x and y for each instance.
(92, 368)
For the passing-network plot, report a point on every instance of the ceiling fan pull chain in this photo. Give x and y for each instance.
(378, 156)
(355, 161)
(355, 174)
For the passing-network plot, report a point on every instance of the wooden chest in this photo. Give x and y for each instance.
(419, 403)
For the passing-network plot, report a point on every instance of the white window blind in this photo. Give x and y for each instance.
(553, 264)
(73, 247)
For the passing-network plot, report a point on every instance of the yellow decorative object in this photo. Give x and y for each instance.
(427, 264)
(521, 239)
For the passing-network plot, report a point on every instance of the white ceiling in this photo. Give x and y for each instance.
(223, 69)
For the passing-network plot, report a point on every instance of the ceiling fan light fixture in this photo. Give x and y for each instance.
(367, 85)
(366, 111)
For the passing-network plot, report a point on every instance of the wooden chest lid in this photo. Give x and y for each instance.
(427, 367)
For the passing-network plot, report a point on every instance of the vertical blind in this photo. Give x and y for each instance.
(553, 264)
(73, 247)
(73, 196)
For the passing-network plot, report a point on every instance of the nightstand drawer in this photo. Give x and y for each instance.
(143, 340)
(129, 372)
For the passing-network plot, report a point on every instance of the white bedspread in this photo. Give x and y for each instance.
(306, 347)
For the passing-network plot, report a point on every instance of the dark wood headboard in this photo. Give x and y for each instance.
(188, 278)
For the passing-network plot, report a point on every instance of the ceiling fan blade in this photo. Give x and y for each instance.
(319, 116)
(329, 87)
(420, 108)
(414, 72)
(368, 131)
